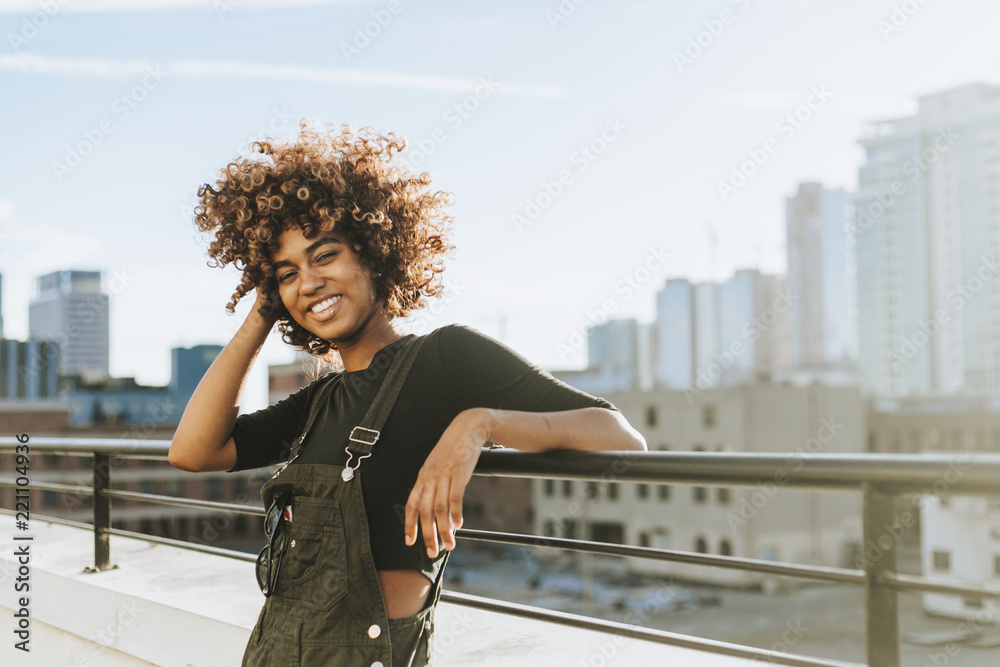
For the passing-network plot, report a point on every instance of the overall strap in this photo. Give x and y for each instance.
(315, 407)
(364, 436)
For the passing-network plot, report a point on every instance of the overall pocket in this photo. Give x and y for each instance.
(314, 571)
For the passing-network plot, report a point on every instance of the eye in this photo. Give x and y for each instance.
(325, 256)
(283, 278)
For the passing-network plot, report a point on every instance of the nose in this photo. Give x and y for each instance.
(310, 281)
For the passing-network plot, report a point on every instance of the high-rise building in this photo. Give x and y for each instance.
(29, 370)
(822, 320)
(711, 334)
(674, 346)
(70, 309)
(927, 234)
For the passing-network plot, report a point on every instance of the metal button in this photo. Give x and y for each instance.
(377, 663)
(293, 543)
(374, 631)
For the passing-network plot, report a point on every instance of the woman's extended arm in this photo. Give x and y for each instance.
(203, 439)
(436, 498)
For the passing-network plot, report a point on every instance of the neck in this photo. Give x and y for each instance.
(378, 332)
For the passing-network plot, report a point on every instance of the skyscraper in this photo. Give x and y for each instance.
(822, 319)
(927, 231)
(70, 309)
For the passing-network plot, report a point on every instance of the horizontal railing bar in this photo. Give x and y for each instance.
(909, 582)
(181, 544)
(52, 486)
(635, 632)
(958, 473)
(54, 519)
(185, 502)
(892, 473)
(120, 446)
(815, 573)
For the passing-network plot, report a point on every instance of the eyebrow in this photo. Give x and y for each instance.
(322, 241)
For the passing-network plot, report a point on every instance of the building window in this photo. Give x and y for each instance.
(550, 488)
(644, 539)
(996, 566)
(942, 561)
(567, 488)
(592, 492)
(701, 546)
(642, 491)
(723, 496)
(664, 492)
(725, 548)
(708, 416)
(612, 490)
(550, 529)
(699, 493)
(650, 415)
(569, 528)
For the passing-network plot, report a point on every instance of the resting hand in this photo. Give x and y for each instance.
(436, 498)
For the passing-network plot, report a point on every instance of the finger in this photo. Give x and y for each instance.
(427, 520)
(412, 513)
(455, 502)
(442, 508)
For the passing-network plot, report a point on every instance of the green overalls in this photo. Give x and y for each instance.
(326, 609)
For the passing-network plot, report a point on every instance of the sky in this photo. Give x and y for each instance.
(590, 145)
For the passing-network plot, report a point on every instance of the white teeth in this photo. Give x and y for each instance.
(323, 305)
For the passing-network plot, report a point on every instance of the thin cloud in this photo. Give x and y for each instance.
(106, 67)
(30, 6)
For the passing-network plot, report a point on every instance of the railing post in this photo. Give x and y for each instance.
(879, 544)
(102, 511)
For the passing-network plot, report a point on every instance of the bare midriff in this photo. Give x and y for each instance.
(403, 591)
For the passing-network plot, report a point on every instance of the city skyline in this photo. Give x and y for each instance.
(608, 119)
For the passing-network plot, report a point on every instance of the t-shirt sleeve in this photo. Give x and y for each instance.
(265, 437)
(483, 372)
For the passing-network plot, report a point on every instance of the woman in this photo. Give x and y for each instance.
(339, 244)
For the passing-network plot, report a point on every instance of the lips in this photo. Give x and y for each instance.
(325, 308)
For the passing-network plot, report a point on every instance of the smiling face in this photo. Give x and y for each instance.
(325, 286)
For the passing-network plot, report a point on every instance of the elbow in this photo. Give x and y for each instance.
(632, 440)
(177, 458)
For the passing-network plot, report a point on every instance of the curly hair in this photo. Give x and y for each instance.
(328, 182)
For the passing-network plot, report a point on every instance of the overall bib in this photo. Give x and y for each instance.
(326, 607)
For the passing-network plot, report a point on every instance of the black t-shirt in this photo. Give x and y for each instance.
(457, 368)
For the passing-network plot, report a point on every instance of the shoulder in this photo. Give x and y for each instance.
(460, 334)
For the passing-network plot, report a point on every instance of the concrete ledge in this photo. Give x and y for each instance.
(172, 607)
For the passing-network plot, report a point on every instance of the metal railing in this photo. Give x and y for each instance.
(879, 478)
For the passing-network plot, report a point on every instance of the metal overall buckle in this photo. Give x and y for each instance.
(372, 437)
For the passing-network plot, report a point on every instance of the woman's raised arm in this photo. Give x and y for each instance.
(203, 440)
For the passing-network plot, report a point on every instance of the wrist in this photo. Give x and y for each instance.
(483, 422)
